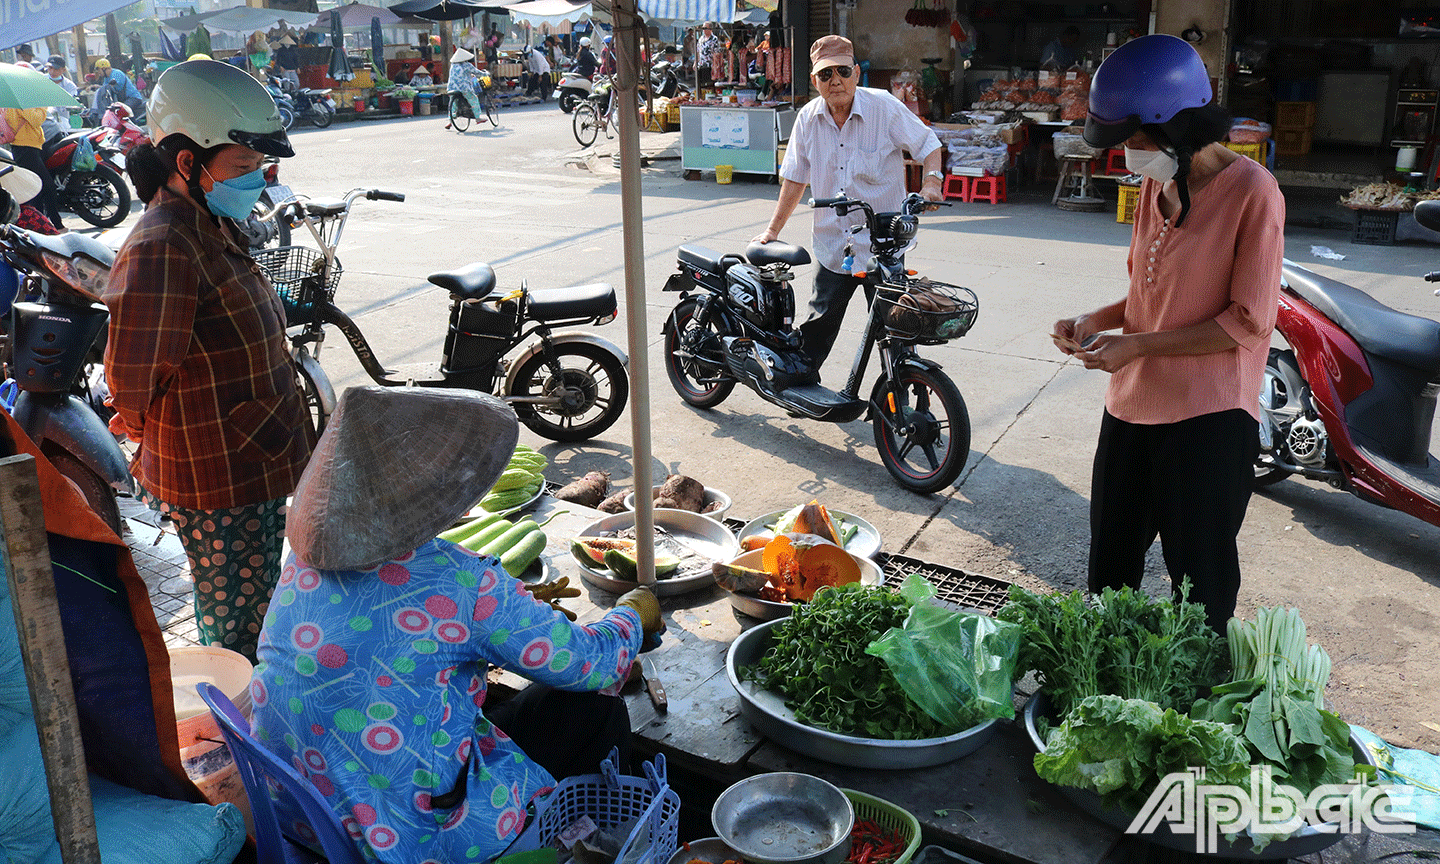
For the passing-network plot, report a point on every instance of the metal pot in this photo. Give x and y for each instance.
(785, 818)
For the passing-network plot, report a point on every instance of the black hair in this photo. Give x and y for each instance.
(1190, 129)
(150, 166)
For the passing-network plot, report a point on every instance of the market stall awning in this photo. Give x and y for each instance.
(549, 11)
(677, 12)
(241, 19)
(356, 16)
(445, 10)
(31, 22)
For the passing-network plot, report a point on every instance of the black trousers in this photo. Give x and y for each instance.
(831, 296)
(46, 201)
(1187, 482)
(566, 733)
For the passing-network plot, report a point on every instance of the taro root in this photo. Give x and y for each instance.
(687, 492)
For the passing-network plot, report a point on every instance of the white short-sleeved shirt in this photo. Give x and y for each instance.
(862, 160)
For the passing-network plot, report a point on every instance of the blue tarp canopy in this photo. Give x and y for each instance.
(679, 12)
(33, 20)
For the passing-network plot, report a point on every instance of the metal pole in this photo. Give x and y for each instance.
(625, 19)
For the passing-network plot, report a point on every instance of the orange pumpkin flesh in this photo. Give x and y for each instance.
(815, 519)
(801, 564)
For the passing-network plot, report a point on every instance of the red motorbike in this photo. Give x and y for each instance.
(99, 195)
(1351, 402)
(127, 136)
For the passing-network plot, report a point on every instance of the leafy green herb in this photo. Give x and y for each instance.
(817, 661)
(1121, 643)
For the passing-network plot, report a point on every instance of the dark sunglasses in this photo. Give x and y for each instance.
(830, 71)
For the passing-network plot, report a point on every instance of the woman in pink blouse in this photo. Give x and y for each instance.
(1179, 436)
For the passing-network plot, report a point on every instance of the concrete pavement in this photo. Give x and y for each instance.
(524, 198)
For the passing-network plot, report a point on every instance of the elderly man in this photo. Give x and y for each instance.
(847, 143)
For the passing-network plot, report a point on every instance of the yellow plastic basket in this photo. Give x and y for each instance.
(889, 817)
(724, 173)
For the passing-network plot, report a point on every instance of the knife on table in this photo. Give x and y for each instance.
(654, 688)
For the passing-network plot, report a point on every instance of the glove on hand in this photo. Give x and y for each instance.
(643, 601)
(554, 592)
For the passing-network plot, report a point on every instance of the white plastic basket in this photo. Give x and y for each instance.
(611, 799)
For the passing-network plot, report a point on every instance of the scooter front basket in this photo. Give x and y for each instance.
(298, 274)
(925, 311)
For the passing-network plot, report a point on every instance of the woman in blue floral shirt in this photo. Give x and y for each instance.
(372, 661)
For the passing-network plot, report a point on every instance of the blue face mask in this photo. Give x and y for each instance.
(235, 197)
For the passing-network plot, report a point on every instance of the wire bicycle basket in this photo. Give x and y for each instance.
(298, 274)
(925, 311)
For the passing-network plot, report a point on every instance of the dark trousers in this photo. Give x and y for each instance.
(46, 201)
(831, 295)
(1189, 483)
(566, 733)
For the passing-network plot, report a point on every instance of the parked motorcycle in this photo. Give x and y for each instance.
(57, 328)
(282, 102)
(573, 89)
(733, 324)
(98, 195)
(1352, 400)
(665, 79)
(301, 103)
(268, 225)
(120, 120)
(566, 386)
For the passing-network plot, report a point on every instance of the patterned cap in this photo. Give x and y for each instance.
(395, 467)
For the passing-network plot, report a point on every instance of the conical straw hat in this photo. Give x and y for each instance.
(395, 467)
(461, 55)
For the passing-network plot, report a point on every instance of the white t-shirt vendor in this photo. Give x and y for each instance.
(847, 143)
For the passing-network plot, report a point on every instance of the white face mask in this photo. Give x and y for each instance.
(1155, 164)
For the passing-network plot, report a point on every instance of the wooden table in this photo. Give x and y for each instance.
(995, 805)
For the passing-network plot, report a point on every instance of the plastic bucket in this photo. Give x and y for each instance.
(724, 173)
(424, 104)
(359, 104)
(203, 754)
(407, 107)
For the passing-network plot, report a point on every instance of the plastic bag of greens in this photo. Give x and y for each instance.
(959, 667)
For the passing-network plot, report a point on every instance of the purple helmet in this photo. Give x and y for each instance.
(1147, 81)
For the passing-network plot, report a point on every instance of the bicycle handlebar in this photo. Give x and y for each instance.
(378, 195)
(1433, 276)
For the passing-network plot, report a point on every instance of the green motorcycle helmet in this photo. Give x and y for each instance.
(214, 103)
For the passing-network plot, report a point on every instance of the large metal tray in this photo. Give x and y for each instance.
(766, 711)
(769, 610)
(1307, 841)
(691, 531)
(865, 543)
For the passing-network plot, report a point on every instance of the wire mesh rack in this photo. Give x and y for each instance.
(298, 274)
(972, 590)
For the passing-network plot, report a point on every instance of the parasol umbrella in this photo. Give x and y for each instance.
(168, 49)
(377, 46)
(26, 88)
(339, 63)
(445, 10)
(137, 56)
(355, 16)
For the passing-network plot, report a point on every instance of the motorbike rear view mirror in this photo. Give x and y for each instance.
(1427, 213)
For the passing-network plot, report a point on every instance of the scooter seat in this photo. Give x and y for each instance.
(701, 258)
(319, 207)
(774, 252)
(471, 282)
(579, 301)
(1407, 339)
(70, 243)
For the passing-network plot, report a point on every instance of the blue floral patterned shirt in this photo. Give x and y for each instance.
(370, 684)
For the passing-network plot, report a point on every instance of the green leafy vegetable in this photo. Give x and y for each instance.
(1276, 697)
(1121, 643)
(1121, 748)
(817, 661)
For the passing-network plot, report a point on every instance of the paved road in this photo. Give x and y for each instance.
(523, 198)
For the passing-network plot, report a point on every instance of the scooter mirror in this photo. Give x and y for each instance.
(1427, 213)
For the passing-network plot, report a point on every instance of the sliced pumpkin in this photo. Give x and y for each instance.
(815, 519)
(802, 564)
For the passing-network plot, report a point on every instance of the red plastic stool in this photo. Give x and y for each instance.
(991, 189)
(956, 186)
(1115, 162)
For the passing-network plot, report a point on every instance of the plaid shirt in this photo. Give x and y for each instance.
(198, 366)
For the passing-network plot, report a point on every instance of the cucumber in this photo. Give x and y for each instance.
(526, 550)
(513, 478)
(476, 542)
(498, 546)
(460, 532)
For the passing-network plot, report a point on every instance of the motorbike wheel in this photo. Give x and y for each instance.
(100, 197)
(287, 117)
(592, 388)
(1280, 405)
(586, 123)
(568, 100)
(310, 394)
(690, 376)
(321, 116)
(459, 117)
(929, 448)
(97, 492)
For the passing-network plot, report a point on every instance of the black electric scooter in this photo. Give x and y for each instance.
(733, 324)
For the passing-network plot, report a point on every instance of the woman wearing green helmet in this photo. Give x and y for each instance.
(197, 360)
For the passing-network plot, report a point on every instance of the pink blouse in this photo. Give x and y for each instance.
(1223, 264)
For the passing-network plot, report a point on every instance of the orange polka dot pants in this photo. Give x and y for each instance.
(234, 558)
